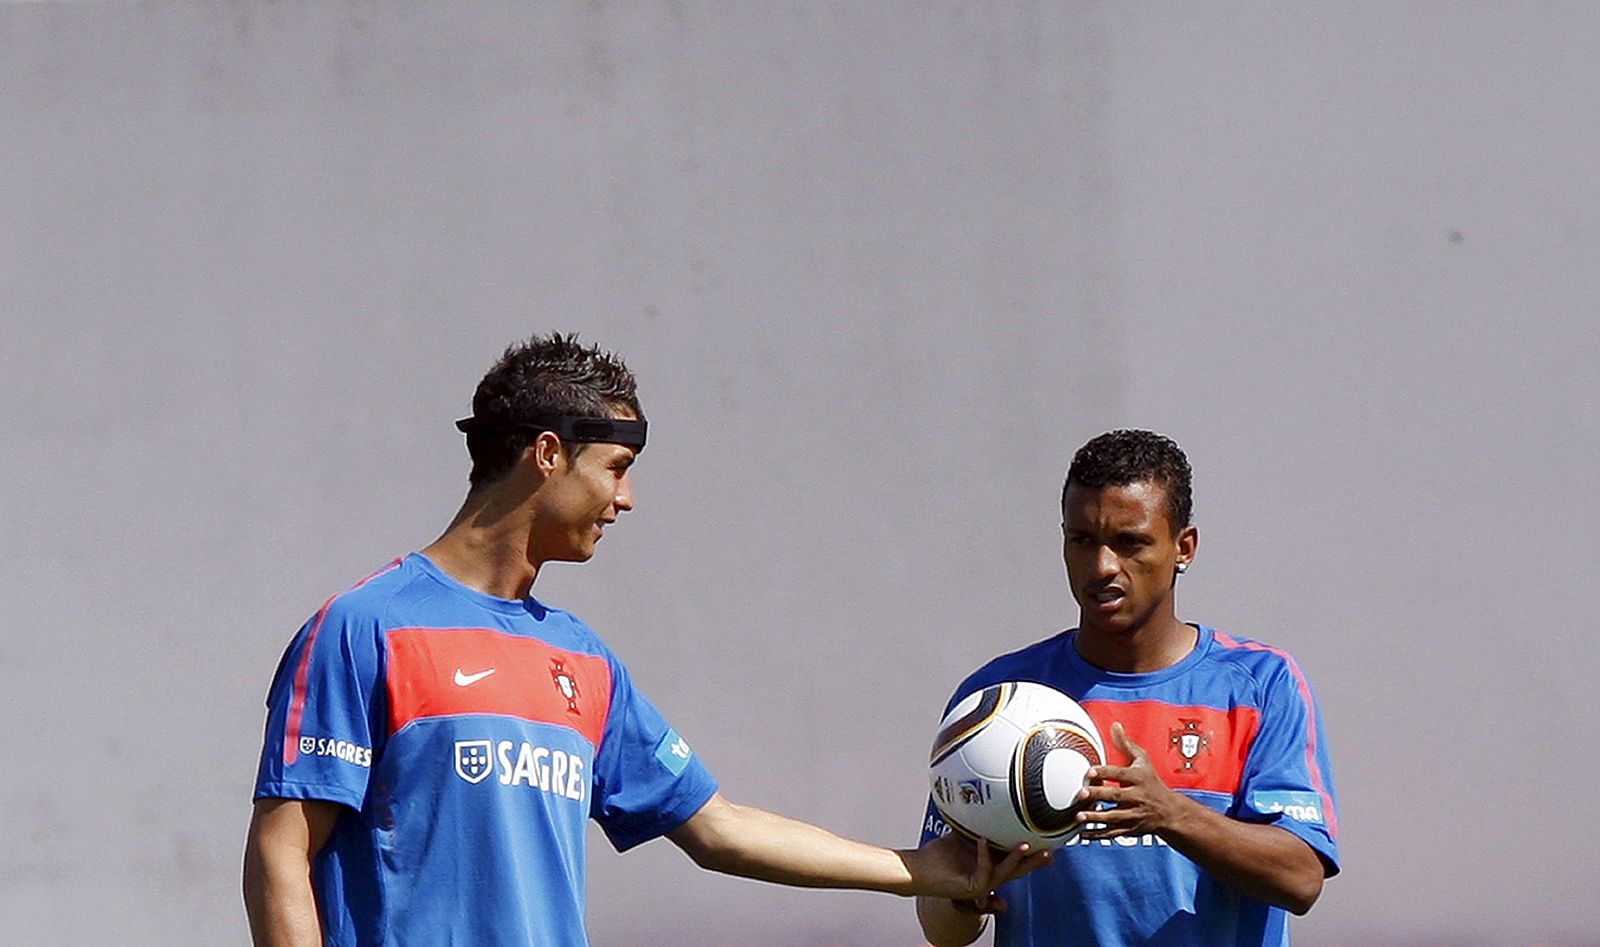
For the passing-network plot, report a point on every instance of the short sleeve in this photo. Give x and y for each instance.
(934, 825)
(1287, 780)
(324, 710)
(647, 779)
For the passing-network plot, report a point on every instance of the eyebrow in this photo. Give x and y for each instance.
(1122, 535)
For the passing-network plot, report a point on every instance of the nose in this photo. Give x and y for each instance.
(624, 498)
(1105, 562)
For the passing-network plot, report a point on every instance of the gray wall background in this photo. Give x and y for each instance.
(880, 268)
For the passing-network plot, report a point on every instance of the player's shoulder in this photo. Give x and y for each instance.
(1262, 662)
(366, 602)
(565, 630)
(1026, 663)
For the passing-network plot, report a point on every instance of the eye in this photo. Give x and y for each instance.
(1132, 545)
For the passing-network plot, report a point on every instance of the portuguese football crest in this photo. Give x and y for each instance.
(1190, 741)
(566, 684)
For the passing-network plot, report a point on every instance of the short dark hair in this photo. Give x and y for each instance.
(1119, 458)
(547, 375)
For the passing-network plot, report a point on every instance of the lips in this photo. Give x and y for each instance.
(1107, 598)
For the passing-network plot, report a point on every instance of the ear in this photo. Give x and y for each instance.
(546, 453)
(1188, 543)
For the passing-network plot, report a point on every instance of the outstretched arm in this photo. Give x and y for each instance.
(754, 843)
(285, 835)
(1261, 861)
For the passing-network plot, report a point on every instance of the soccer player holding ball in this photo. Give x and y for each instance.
(1215, 814)
(437, 738)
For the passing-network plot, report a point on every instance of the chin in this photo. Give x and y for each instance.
(1119, 624)
(573, 555)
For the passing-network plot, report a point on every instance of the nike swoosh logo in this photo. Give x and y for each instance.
(462, 680)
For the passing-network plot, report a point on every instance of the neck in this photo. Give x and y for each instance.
(486, 547)
(1153, 646)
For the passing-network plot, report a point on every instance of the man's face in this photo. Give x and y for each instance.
(579, 498)
(1122, 553)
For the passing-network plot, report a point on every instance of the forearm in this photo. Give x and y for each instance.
(945, 926)
(753, 843)
(1261, 861)
(285, 835)
(279, 900)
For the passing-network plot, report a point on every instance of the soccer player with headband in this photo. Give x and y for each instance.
(437, 738)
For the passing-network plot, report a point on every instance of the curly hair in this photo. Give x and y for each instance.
(1119, 458)
(547, 375)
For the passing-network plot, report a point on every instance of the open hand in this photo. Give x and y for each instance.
(1141, 804)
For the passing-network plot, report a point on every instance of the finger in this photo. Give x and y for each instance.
(1008, 873)
(1111, 824)
(985, 865)
(1090, 795)
(1119, 736)
(1109, 832)
(1033, 863)
(1007, 869)
(1108, 816)
(1115, 774)
(995, 904)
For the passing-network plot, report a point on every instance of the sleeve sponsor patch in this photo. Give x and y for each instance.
(1299, 806)
(673, 752)
(338, 749)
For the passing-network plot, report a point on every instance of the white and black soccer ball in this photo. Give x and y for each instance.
(1009, 761)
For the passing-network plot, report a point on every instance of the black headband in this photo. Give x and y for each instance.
(567, 427)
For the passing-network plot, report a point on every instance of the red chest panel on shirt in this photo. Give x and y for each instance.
(1199, 748)
(441, 672)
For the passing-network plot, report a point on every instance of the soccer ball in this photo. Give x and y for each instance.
(1009, 761)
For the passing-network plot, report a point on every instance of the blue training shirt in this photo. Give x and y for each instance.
(1233, 725)
(471, 738)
